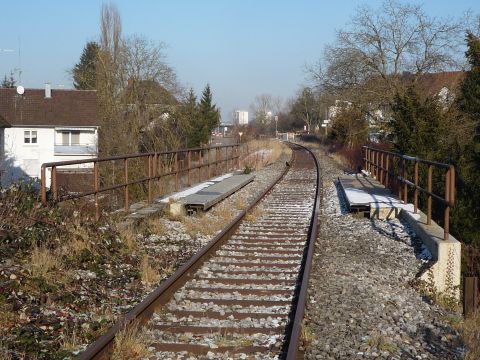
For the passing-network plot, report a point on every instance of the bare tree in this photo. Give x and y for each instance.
(108, 84)
(380, 45)
(306, 108)
(264, 108)
(137, 91)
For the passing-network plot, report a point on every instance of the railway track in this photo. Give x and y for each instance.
(243, 295)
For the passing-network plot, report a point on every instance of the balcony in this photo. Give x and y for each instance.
(80, 149)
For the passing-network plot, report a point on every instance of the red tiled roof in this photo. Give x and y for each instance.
(64, 108)
(432, 83)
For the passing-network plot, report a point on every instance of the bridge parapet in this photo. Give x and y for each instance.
(401, 173)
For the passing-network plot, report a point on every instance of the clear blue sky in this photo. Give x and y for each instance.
(241, 47)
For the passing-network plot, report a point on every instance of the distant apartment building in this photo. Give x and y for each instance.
(240, 117)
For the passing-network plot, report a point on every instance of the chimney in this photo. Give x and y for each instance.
(48, 91)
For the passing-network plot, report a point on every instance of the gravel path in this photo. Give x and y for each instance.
(361, 304)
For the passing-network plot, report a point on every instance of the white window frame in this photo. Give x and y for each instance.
(70, 133)
(29, 134)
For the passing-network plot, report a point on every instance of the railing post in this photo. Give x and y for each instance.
(452, 185)
(446, 225)
(364, 151)
(405, 186)
(399, 175)
(176, 171)
(208, 163)
(54, 183)
(189, 162)
(150, 158)
(227, 157)
(367, 157)
(382, 172)
(415, 198)
(387, 176)
(217, 161)
(44, 186)
(125, 189)
(237, 155)
(156, 177)
(200, 165)
(429, 197)
(470, 295)
(97, 188)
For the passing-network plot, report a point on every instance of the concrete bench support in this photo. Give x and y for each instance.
(446, 269)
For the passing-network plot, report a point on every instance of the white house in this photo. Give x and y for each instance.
(45, 125)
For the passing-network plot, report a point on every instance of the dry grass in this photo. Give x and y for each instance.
(254, 214)
(155, 226)
(208, 224)
(5, 354)
(131, 343)
(7, 317)
(241, 202)
(128, 235)
(471, 336)
(74, 247)
(43, 263)
(381, 343)
(259, 159)
(306, 334)
(148, 273)
(71, 342)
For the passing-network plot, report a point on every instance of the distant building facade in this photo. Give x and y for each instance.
(240, 117)
(45, 125)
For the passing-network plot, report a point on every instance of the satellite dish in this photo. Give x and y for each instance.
(20, 90)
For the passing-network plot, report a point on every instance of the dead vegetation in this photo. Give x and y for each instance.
(208, 223)
(131, 343)
(149, 275)
(64, 279)
(470, 329)
(262, 153)
(254, 213)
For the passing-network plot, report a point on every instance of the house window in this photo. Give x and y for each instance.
(71, 137)
(30, 137)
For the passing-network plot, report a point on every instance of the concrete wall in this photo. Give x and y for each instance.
(445, 269)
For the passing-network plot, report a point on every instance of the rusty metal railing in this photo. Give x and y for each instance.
(391, 169)
(180, 164)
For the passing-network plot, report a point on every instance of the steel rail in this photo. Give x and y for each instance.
(295, 327)
(102, 346)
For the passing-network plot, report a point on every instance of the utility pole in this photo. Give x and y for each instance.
(276, 127)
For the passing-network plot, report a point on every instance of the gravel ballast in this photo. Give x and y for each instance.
(361, 303)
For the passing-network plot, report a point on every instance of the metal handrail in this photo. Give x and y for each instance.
(380, 164)
(152, 169)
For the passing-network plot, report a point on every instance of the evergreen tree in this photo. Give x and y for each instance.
(84, 73)
(470, 88)
(194, 127)
(419, 125)
(208, 117)
(466, 213)
(8, 82)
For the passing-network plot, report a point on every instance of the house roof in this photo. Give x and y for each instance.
(433, 83)
(148, 92)
(64, 108)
